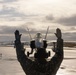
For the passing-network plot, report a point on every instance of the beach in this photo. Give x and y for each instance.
(10, 66)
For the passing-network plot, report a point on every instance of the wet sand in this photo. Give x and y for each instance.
(10, 66)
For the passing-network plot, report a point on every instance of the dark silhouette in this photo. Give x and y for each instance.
(40, 66)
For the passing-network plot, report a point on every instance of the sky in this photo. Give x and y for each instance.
(37, 15)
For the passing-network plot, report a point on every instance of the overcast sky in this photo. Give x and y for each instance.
(37, 15)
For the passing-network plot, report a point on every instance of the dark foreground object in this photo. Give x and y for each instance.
(40, 66)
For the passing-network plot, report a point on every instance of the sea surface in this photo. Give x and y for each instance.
(10, 66)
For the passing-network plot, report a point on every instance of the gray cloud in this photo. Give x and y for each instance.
(48, 18)
(66, 36)
(29, 24)
(69, 36)
(11, 14)
(68, 21)
(7, 1)
(23, 29)
(7, 33)
(11, 29)
(12, 38)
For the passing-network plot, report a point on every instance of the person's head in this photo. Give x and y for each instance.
(41, 53)
(58, 33)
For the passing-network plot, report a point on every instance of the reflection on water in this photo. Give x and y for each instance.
(10, 66)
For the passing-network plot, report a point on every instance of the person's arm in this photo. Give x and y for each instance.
(56, 60)
(22, 58)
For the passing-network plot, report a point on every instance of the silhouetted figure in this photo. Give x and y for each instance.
(40, 66)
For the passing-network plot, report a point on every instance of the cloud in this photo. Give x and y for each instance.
(68, 21)
(7, 33)
(29, 24)
(50, 17)
(7, 1)
(11, 29)
(23, 29)
(69, 36)
(13, 14)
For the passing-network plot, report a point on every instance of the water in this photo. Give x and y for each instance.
(10, 66)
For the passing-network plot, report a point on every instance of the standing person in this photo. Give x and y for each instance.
(40, 66)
